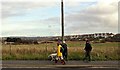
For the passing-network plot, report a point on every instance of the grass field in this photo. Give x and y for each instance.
(101, 51)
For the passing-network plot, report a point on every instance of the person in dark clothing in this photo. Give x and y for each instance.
(65, 51)
(87, 49)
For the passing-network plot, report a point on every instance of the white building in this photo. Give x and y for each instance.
(105, 35)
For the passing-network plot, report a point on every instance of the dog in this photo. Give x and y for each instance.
(52, 57)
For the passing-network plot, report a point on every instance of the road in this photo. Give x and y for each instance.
(50, 65)
(60, 69)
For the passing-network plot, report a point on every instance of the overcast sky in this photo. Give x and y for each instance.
(43, 18)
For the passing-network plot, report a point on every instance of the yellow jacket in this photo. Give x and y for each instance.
(59, 54)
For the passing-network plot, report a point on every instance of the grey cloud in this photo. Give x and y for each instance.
(32, 32)
(53, 20)
(21, 8)
(13, 9)
(102, 10)
(89, 20)
(93, 19)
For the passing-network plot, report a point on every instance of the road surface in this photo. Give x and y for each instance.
(50, 65)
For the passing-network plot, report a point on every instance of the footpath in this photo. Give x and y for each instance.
(50, 64)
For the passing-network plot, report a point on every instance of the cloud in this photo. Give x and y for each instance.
(30, 28)
(97, 17)
(101, 17)
(21, 7)
(10, 9)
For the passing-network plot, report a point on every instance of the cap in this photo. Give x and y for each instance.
(63, 41)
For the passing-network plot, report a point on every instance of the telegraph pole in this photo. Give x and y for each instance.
(62, 19)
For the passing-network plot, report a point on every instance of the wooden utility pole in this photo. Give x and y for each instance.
(62, 19)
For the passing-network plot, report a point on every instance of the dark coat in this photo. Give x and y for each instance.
(64, 47)
(88, 47)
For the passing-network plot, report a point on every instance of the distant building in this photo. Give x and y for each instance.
(56, 38)
(104, 35)
(74, 36)
(96, 35)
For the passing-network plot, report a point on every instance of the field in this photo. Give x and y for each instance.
(101, 51)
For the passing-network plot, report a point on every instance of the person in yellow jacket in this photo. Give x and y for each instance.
(59, 53)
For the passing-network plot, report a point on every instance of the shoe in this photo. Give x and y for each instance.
(63, 62)
(56, 61)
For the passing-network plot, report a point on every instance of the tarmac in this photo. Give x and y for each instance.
(72, 64)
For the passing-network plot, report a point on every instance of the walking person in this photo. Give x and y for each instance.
(65, 51)
(59, 54)
(87, 49)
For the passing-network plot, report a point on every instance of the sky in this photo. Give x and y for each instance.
(43, 18)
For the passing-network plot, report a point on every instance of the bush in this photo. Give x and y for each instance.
(102, 41)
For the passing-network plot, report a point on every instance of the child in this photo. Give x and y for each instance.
(59, 54)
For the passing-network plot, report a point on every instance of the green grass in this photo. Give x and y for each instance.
(101, 51)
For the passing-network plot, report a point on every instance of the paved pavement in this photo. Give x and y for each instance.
(60, 69)
(70, 65)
